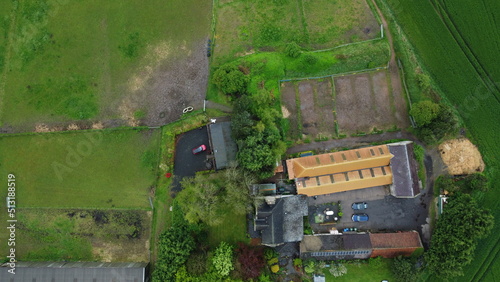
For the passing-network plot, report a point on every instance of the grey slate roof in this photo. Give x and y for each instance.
(223, 146)
(404, 170)
(75, 272)
(282, 222)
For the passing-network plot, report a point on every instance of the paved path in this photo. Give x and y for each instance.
(351, 142)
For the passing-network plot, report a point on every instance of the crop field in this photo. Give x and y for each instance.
(468, 90)
(76, 235)
(64, 61)
(369, 101)
(309, 107)
(357, 103)
(244, 27)
(95, 169)
(476, 30)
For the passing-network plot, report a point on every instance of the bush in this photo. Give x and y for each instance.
(376, 262)
(230, 80)
(297, 262)
(404, 270)
(275, 268)
(338, 270)
(310, 59)
(292, 50)
(223, 259)
(424, 112)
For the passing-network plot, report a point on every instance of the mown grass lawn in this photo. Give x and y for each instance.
(364, 272)
(232, 230)
(95, 169)
(73, 60)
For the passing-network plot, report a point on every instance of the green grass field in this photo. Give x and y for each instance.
(76, 235)
(270, 67)
(364, 272)
(247, 26)
(96, 169)
(467, 89)
(73, 60)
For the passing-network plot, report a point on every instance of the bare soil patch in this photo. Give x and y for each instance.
(314, 115)
(365, 102)
(461, 157)
(289, 103)
(175, 84)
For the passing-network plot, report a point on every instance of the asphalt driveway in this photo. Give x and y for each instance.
(386, 213)
(186, 164)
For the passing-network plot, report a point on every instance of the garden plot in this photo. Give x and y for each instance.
(310, 107)
(365, 102)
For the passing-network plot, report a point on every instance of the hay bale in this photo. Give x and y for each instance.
(461, 157)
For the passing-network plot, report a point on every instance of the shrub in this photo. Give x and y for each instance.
(275, 268)
(223, 259)
(292, 50)
(338, 270)
(297, 262)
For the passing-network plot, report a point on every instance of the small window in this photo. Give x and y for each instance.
(357, 154)
(332, 179)
(343, 157)
(346, 176)
(317, 160)
(372, 152)
(383, 171)
(360, 174)
(381, 151)
(372, 172)
(332, 159)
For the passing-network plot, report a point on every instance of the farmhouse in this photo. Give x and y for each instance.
(75, 272)
(392, 164)
(280, 220)
(359, 246)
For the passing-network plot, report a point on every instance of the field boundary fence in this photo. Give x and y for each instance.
(335, 74)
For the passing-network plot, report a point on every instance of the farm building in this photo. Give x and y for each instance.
(392, 164)
(280, 220)
(390, 245)
(359, 246)
(222, 144)
(75, 272)
(336, 247)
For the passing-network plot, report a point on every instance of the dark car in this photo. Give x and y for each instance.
(359, 206)
(359, 217)
(199, 149)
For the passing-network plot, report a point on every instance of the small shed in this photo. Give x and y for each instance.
(223, 146)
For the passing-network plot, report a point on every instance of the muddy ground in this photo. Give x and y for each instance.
(367, 101)
(315, 101)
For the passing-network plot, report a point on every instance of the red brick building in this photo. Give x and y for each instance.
(390, 245)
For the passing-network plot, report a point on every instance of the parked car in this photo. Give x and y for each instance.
(199, 149)
(359, 217)
(359, 206)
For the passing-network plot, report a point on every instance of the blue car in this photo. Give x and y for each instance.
(359, 206)
(359, 217)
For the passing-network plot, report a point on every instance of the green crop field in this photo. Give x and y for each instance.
(467, 89)
(244, 27)
(73, 60)
(95, 169)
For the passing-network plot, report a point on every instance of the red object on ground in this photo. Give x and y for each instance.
(168, 175)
